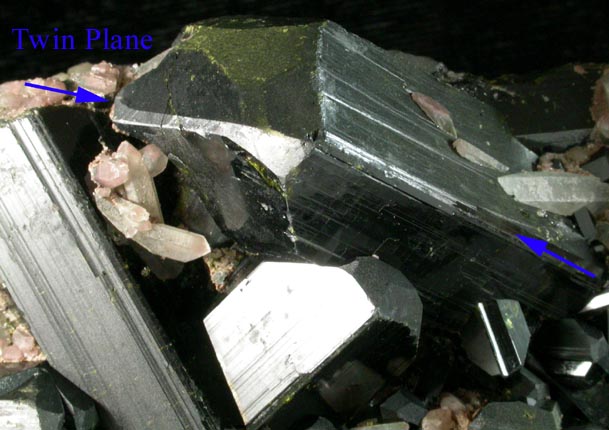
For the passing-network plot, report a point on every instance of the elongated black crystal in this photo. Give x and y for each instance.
(303, 139)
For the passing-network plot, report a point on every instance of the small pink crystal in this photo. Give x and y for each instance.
(125, 216)
(140, 188)
(154, 159)
(16, 98)
(436, 112)
(12, 354)
(438, 419)
(174, 243)
(109, 172)
(23, 340)
(102, 78)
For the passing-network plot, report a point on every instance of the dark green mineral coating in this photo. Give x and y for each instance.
(249, 71)
(376, 177)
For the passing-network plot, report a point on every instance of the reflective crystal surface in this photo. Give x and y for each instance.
(297, 149)
(288, 324)
(497, 337)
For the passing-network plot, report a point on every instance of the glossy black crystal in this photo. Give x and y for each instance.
(302, 139)
(497, 337)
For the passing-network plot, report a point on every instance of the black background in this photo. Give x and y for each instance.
(483, 37)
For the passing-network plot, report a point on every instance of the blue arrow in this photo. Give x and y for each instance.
(82, 95)
(539, 246)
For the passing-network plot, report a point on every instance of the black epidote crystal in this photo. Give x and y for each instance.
(514, 416)
(575, 352)
(29, 399)
(497, 337)
(404, 406)
(81, 408)
(585, 223)
(599, 167)
(528, 387)
(291, 331)
(302, 139)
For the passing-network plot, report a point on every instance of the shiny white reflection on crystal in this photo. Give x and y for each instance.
(15, 415)
(573, 368)
(278, 152)
(282, 322)
(598, 302)
(491, 336)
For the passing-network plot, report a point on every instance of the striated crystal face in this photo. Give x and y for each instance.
(358, 212)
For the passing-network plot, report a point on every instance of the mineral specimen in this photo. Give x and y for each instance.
(599, 167)
(288, 323)
(29, 400)
(18, 348)
(15, 98)
(138, 216)
(497, 337)
(573, 351)
(528, 387)
(295, 150)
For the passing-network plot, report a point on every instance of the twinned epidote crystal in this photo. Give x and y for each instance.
(327, 147)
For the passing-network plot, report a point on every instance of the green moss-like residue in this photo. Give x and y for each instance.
(250, 55)
(266, 176)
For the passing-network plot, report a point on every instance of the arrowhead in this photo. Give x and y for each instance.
(538, 246)
(84, 96)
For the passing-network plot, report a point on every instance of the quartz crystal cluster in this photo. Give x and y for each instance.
(126, 195)
(18, 348)
(363, 207)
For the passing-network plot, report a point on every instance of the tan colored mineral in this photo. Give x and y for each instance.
(139, 187)
(127, 198)
(436, 112)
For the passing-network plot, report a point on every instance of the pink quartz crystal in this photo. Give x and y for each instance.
(438, 419)
(174, 243)
(102, 78)
(154, 159)
(139, 188)
(108, 171)
(16, 98)
(23, 340)
(127, 198)
(436, 112)
(12, 354)
(125, 216)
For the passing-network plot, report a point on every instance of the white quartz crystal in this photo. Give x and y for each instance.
(558, 192)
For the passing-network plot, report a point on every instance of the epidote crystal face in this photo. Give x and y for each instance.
(286, 324)
(497, 338)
